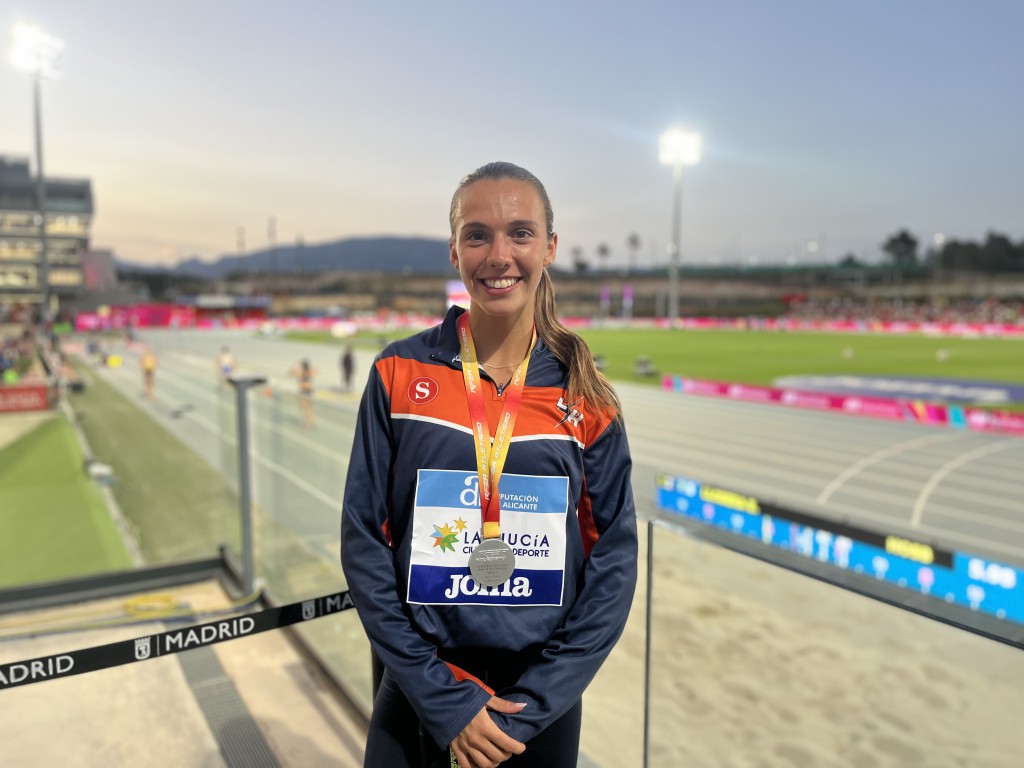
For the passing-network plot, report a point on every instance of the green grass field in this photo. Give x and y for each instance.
(54, 523)
(178, 505)
(753, 357)
(760, 357)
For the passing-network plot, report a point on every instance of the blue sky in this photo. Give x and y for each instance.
(832, 122)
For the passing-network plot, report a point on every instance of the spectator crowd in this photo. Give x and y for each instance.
(17, 353)
(958, 311)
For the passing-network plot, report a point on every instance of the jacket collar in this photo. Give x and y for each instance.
(448, 349)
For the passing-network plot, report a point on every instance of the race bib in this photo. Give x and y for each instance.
(447, 526)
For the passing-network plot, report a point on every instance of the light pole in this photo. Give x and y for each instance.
(271, 240)
(35, 53)
(677, 148)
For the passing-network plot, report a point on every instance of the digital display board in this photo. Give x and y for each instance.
(983, 585)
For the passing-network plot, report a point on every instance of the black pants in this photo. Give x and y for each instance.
(397, 740)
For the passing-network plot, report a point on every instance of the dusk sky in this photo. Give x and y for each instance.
(825, 122)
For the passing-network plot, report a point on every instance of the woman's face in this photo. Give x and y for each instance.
(500, 245)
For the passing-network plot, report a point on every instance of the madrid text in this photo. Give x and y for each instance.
(210, 633)
(40, 669)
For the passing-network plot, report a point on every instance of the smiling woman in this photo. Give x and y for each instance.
(501, 244)
(436, 556)
(502, 241)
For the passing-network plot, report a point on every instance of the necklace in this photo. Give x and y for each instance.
(501, 386)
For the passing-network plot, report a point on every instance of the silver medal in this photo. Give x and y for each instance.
(492, 563)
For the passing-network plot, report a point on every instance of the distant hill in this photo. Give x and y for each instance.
(408, 255)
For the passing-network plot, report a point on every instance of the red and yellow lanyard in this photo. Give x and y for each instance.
(490, 457)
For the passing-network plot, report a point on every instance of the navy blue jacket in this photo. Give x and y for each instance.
(412, 515)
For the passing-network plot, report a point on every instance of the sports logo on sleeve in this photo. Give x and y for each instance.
(446, 529)
(572, 416)
(422, 390)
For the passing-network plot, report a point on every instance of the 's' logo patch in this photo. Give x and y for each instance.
(422, 390)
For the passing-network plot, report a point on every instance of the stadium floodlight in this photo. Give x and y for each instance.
(35, 52)
(677, 148)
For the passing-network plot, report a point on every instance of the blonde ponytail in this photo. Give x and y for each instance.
(585, 381)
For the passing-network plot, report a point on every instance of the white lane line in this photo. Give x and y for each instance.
(719, 466)
(312, 445)
(333, 502)
(977, 518)
(283, 383)
(330, 501)
(957, 539)
(959, 461)
(215, 429)
(880, 455)
(316, 493)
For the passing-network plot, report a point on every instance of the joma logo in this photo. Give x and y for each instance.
(517, 587)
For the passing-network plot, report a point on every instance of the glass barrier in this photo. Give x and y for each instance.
(98, 482)
(299, 464)
(753, 664)
(170, 490)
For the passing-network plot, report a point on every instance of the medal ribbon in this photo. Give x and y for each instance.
(490, 457)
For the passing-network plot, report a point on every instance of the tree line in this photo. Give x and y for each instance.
(997, 254)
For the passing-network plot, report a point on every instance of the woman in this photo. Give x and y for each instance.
(225, 365)
(305, 372)
(148, 363)
(492, 579)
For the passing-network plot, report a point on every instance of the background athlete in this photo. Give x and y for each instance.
(305, 374)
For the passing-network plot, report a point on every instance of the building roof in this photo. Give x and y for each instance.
(63, 195)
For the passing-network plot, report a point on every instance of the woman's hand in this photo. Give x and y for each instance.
(482, 744)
